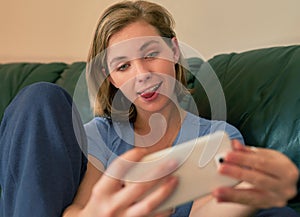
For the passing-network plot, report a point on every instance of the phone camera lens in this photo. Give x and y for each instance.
(221, 160)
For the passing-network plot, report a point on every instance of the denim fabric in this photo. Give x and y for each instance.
(41, 163)
(277, 212)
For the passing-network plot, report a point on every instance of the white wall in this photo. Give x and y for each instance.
(46, 31)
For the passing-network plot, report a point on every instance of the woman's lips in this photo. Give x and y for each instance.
(149, 92)
(147, 95)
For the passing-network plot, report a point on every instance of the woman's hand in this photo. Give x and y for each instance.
(271, 175)
(110, 197)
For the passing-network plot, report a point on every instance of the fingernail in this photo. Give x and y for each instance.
(253, 149)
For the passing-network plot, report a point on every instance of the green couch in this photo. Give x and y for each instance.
(261, 88)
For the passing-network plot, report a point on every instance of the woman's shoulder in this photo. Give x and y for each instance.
(102, 124)
(207, 126)
(111, 131)
(99, 120)
(99, 127)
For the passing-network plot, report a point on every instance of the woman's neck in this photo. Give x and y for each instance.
(156, 131)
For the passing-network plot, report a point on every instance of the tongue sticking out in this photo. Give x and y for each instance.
(147, 95)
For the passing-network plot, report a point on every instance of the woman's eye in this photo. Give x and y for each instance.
(151, 55)
(123, 67)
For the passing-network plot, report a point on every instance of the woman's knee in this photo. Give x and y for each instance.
(42, 91)
(39, 98)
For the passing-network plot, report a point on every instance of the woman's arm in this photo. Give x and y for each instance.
(105, 195)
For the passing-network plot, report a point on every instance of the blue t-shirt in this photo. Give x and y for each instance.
(108, 139)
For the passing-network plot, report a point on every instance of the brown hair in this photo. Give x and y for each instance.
(114, 19)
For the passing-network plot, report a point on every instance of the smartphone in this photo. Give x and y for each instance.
(198, 161)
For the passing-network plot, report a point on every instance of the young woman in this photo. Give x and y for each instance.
(136, 82)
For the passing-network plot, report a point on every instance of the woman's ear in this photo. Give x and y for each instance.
(104, 72)
(175, 49)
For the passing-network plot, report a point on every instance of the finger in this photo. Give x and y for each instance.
(269, 162)
(153, 200)
(155, 170)
(112, 178)
(237, 145)
(259, 160)
(256, 178)
(276, 163)
(138, 190)
(123, 163)
(251, 197)
(285, 189)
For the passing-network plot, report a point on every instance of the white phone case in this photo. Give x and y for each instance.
(197, 171)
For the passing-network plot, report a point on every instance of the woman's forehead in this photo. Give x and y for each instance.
(135, 46)
(133, 30)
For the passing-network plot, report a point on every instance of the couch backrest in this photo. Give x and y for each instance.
(262, 91)
(15, 76)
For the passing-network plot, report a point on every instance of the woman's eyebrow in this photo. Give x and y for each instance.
(116, 60)
(144, 46)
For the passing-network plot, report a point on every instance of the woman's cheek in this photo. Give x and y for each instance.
(128, 90)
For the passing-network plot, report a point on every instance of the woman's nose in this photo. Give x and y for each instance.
(143, 77)
(142, 73)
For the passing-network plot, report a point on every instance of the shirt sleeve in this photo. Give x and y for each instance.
(232, 131)
(97, 137)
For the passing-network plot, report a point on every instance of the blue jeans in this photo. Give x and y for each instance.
(42, 155)
(41, 161)
(277, 212)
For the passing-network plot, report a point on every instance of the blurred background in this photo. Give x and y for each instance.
(56, 30)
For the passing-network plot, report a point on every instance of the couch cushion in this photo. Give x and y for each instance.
(261, 88)
(15, 76)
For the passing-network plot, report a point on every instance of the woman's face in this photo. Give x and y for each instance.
(142, 66)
